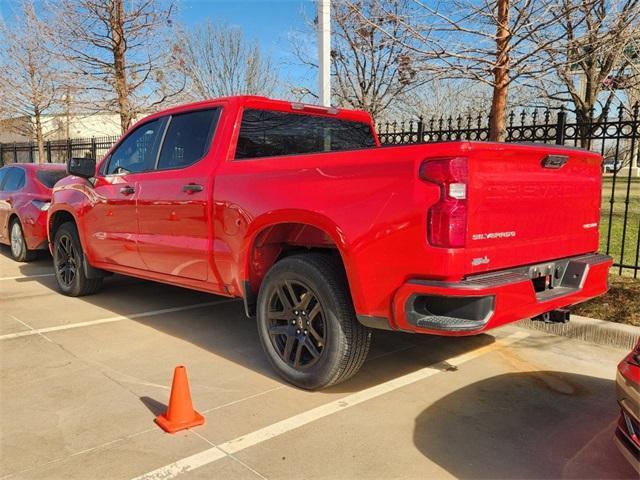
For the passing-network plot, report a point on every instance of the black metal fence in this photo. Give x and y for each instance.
(55, 151)
(616, 137)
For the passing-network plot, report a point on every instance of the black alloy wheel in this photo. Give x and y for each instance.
(68, 263)
(297, 324)
(307, 323)
(66, 260)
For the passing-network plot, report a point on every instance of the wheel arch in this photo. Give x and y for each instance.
(13, 216)
(273, 238)
(58, 218)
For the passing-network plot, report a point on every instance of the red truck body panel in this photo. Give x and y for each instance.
(370, 204)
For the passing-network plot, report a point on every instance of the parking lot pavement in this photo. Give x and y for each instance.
(82, 379)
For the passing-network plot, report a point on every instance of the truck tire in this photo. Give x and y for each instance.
(19, 250)
(68, 263)
(307, 324)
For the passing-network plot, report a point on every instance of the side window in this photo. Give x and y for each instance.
(265, 133)
(15, 180)
(3, 175)
(138, 151)
(188, 138)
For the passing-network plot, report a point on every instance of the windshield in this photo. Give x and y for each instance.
(49, 178)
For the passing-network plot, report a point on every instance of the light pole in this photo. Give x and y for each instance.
(324, 52)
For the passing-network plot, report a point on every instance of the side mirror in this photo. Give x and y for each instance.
(81, 167)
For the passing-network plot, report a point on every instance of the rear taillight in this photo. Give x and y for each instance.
(634, 356)
(41, 204)
(447, 219)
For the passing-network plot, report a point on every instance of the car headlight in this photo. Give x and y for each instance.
(41, 205)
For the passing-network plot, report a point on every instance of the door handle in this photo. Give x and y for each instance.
(192, 188)
(128, 190)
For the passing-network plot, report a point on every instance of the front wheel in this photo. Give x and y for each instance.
(307, 323)
(68, 261)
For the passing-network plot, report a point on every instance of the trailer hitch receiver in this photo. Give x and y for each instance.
(560, 315)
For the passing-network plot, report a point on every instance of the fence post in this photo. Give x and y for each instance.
(49, 151)
(69, 151)
(1, 155)
(93, 148)
(15, 153)
(420, 130)
(560, 125)
(31, 147)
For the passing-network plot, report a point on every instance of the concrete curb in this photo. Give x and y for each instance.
(590, 330)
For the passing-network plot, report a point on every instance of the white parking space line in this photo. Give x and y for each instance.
(132, 435)
(26, 277)
(31, 329)
(236, 445)
(118, 318)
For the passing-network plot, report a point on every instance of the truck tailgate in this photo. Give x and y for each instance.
(529, 204)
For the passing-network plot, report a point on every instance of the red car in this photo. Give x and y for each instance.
(628, 389)
(325, 234)
(25, 196)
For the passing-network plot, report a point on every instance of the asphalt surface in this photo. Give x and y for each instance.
(81, 381)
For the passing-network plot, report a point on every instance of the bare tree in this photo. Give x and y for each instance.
(371, 69)
(219, 61)
(486, 41)
(30, 79)
(595, 53)
(441, 98)
(632, 55)
(119, 53)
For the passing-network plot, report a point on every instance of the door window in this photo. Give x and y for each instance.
(3, 175)
(137, 152)
(188, 138)
(14, 180)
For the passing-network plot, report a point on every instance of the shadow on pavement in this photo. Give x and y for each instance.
(154, 406)
(224, 330)
(41, 264)
(525, 425)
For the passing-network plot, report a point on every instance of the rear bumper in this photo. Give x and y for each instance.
(486, 301)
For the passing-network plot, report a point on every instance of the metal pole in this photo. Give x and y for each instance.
(324, 51)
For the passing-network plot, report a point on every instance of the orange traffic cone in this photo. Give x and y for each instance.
(180, 414)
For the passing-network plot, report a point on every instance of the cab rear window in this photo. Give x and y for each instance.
(265, 133)
(49, 178)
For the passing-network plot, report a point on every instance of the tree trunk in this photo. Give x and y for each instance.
(584, 119)
(67, 114)
(39, 135)
(119, 63)
(498, 116)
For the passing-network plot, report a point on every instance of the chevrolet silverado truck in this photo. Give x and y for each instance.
(325, 234)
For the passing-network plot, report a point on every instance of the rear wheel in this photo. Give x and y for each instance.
(307, 323)
(19, 249)
(68, 261)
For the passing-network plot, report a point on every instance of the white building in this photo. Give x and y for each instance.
(60, 127)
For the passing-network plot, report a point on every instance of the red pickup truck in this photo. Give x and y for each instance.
(325, 234)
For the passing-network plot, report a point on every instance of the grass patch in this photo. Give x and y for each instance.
(621, 304)
(616, 240)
